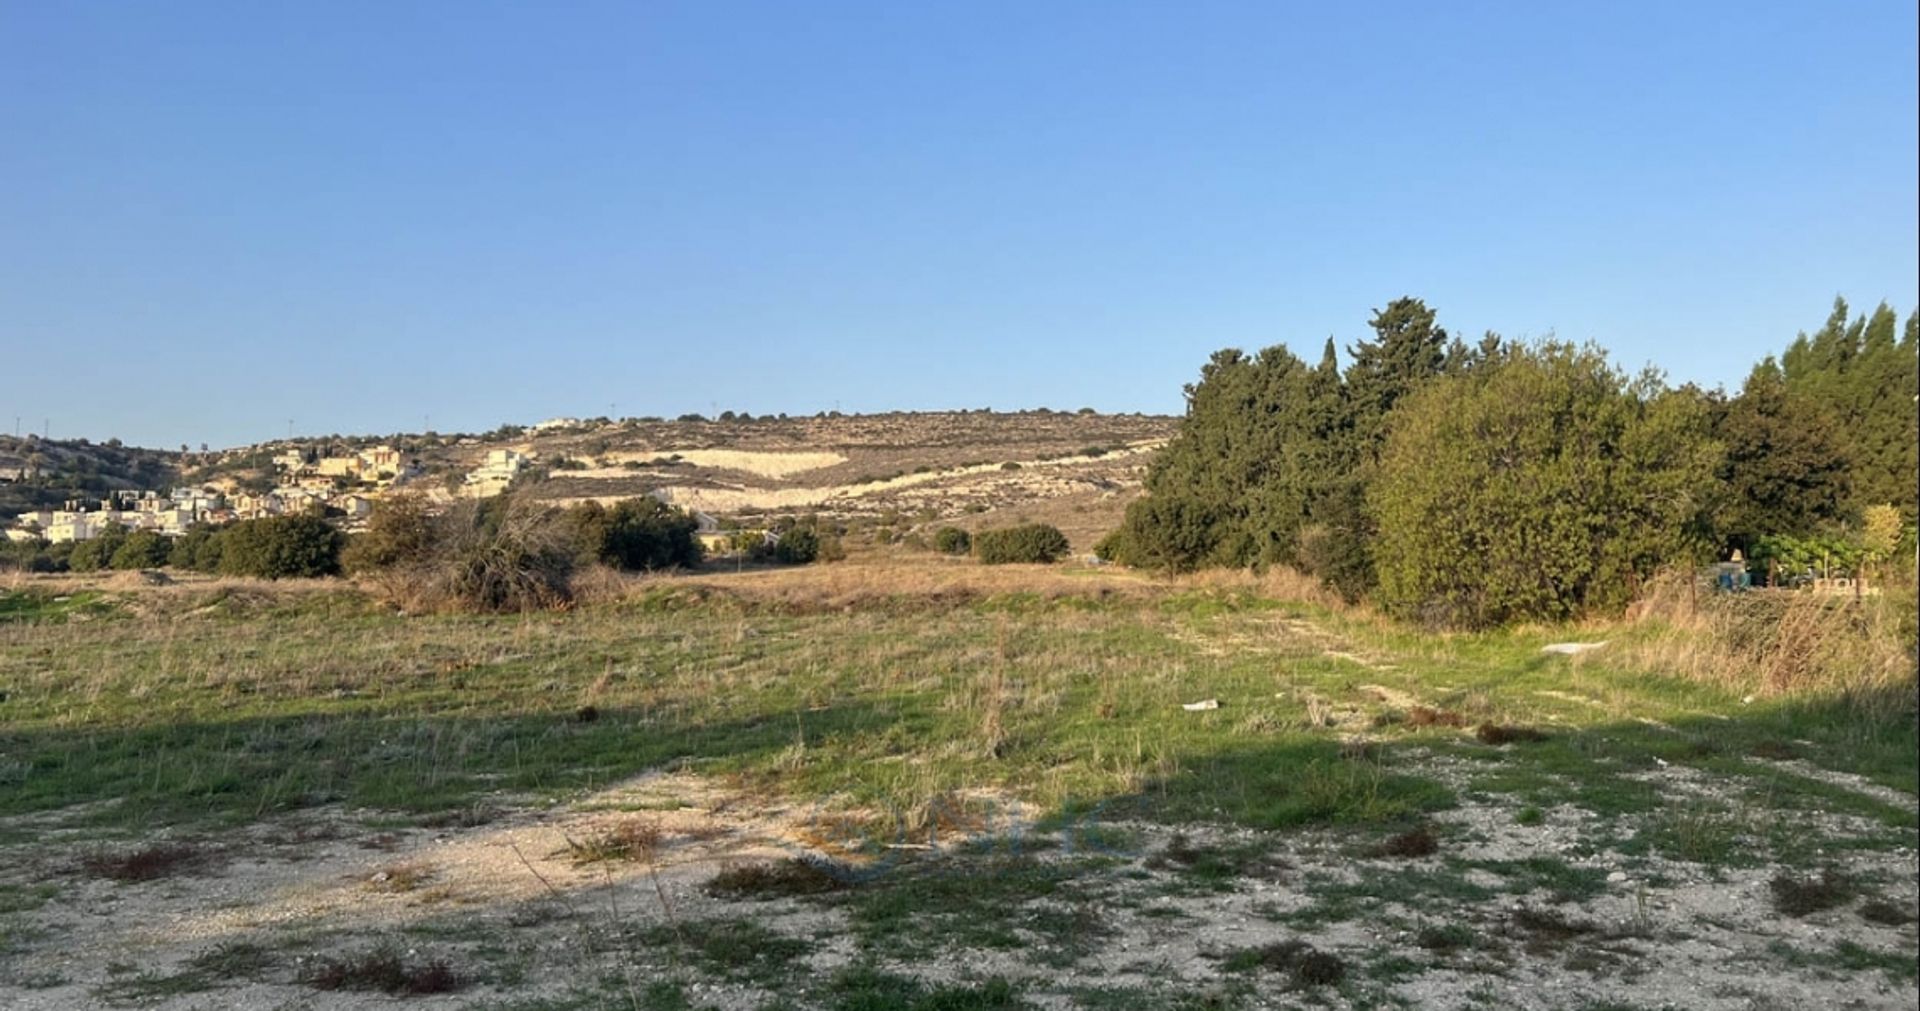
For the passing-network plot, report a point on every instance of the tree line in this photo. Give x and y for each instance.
(1475, 484)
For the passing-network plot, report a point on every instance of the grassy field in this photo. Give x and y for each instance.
(923, 785)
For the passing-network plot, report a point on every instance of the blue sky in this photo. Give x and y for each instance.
(215, 218)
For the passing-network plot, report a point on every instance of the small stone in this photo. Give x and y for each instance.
(1617, 876)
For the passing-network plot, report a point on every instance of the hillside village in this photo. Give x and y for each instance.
(343, 486)
(729, 474)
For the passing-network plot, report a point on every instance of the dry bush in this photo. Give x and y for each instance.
(503, 556)
(627, 840)
(595, 584)
(1773, 642)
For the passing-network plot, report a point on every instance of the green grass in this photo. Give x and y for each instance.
(54, 608)
(225, 712)
(730, 948)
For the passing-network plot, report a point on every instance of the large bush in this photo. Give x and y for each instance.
(797, 546)
(952, 541)
(401, 531)
(500, 554)
(643, 534)
(97, 552)
(1538, 488)
(281, 547)
(1032, 542)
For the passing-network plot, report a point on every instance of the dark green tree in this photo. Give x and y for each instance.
(96, 552)
(142, 549)
(636, 534)
(281, 547)
(1786, 468)
(1407, 350)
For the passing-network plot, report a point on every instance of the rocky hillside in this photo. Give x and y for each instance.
(40, 473)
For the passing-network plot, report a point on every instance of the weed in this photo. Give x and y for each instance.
(145, 864)
(735, 948)
(399, 879)
(1415, 842)
(1546, 930)
(1450, 937)
(863, 988)
(1298, 959)
(1497, 733)
(1887, 914)
(794, 876)
(627, 840)
(1423, 716)
(1797, 897)
(385, 970)
(1215, 868)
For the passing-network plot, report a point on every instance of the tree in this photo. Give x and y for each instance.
(1787, 468)
(1272, 461)
(1866, 376)
(401, 531)
(97, 552)
(1408, 349)
(197, 549)
(636, 534)
(281, 547)
(1537, 489)
(142, 549)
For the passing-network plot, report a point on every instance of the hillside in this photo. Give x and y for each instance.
(1077, 470)
(895, 470)
(40, 473)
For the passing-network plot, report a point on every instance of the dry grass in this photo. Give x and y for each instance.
(890, 579)
(1777, 642)
(627, 840)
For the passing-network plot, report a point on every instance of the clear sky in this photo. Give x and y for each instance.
(215, 218)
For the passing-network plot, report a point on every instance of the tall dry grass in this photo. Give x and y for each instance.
(1778, 642)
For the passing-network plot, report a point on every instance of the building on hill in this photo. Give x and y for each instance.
(498, 472)
(376, 465)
